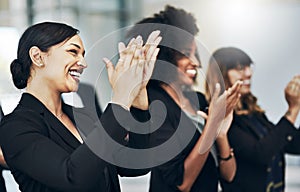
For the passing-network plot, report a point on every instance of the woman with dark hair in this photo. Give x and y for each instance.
(42, 139)
(183, 150)
(259, 145)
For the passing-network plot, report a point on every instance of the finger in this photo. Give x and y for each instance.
(131, 42)
(153, 35)
(136, 57)
(140, 63)
(216, 92)
(235, 87)
(110, 69)
(130, 54)
(151, 48)
(294, 87)
(152, 39)
(202, 114)
(122, 50)
(150, 65)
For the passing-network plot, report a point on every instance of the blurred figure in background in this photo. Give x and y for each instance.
(259, 145)
(196, 165)
(89, 98)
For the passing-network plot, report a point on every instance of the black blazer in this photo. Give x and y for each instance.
(2, 182)
(254, 153)
(178, 127)
(44, 156)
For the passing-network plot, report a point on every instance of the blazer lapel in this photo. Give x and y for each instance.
(61, 130)
(29, 102)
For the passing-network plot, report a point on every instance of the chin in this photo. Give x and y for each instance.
(245, 91)
(73, 88)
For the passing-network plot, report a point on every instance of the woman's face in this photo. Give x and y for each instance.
(187, 66)
(243, 73)
(64, 64)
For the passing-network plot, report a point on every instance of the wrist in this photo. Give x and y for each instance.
(141, 101)
(226, 158)
(292, 114)
(121, 104)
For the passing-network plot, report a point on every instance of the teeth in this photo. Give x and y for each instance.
(74, 73)
(191, 71)
(246, 82)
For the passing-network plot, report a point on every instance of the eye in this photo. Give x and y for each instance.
(73, 52)
(186, 53)
(239, 68)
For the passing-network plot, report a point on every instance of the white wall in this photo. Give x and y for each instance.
(267, 30)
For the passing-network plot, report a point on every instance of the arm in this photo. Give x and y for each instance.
(2, 160)
(247, 146)
(219, 118)
(227, 166)
(137, 138)
(283, 136)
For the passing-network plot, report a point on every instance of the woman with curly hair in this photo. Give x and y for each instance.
(188, 158)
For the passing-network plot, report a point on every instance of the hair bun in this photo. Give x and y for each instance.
(18, 75)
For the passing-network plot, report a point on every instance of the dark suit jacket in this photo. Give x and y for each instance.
(254, 153)
(44, 156)
(178, 127)
(2, 182)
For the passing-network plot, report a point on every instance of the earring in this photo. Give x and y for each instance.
(40, 64)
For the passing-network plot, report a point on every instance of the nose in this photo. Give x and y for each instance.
(248, 71)
(82, 63)
(194, 61)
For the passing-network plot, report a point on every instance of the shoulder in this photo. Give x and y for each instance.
(197, 99)
(21, 120)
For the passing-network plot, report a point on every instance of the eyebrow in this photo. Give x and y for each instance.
(77, 47)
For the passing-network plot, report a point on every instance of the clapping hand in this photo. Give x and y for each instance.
(292, 92)
(292, 96)
(133, 71)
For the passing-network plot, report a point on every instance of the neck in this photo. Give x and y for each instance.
(51, 99)
(175, 91)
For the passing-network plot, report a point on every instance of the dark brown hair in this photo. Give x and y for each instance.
(221, 61)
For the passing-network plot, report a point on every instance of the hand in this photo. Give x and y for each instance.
(231, 101)
(223, 105)
(126, 78)
(151, 51)
(292, 93)
(292, 96)
(225, 125)
(217, 107)
(233, 97)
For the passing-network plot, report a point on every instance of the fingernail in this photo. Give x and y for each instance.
(105, 60)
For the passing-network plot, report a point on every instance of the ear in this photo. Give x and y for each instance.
(35, 54)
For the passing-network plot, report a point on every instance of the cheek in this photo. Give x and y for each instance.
(233, 77)
(182, 63)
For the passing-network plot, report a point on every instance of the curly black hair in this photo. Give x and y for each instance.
(177, 28)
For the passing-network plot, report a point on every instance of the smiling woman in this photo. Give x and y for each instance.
(42, 140)
(259, 144)
(190, 163)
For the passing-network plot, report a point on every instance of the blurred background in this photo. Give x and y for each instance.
(268, 30)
